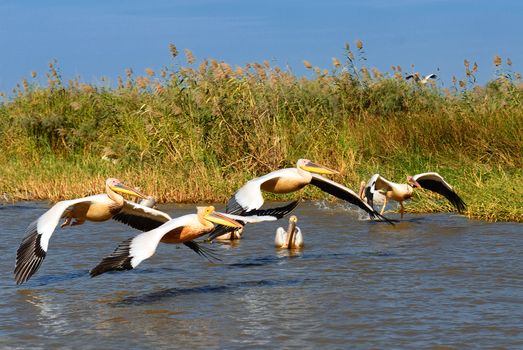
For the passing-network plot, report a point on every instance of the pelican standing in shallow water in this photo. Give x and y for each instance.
(100, 207)
(249, 199)
(185, 228)
(290, 239)
(386, 190)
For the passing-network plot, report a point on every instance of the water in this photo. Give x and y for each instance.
(432, 281)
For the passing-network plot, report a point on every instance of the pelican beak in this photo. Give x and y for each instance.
(318, 169)
(413, 182)
(122, 188)
(222, 219)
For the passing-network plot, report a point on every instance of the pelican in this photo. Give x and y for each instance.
(420, 80)
(97, 208)
(183, 229)
(148, 201)
(290, 239)
(231, 235)
(248, 199)
(378, 186)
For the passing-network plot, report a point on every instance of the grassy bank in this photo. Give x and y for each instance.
(197, 132)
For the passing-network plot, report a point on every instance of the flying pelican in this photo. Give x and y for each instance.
(420, 80)
(248, 199)
(100, 207)
(290, 239)
(185, 228)
(378, 186)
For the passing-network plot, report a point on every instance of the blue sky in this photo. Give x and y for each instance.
(98, 38)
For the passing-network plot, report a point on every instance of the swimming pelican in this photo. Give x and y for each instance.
(290, 239)
(379, 186)
(248, 199)
(420, 80)
(231, 235)
(185, 228)
(100, 207)
(148, 201)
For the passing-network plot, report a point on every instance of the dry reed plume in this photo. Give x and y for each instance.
(196, 134)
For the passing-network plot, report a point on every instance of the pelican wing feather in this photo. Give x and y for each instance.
(249, 196)
(252, 216)
(141, 217)
(33, 249)
(376, 188)
(133, 251)
(206, 252)
(346, 194)
(434, 182)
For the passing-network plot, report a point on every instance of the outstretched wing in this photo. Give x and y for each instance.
(252, 216)
(342, 192)
(33, 249)
(435, 182)
(249, 196)
(375, 189)
(141, 217)
(133, 251)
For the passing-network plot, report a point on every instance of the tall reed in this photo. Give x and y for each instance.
(197, 132)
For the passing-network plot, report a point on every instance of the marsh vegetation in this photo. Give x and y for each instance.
(198, 131)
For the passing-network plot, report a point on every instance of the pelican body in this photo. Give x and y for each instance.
(249, 199)
(290, 239)
(96, 208)
(183, 229)
(380, 189)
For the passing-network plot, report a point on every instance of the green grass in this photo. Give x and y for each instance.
(198, 133)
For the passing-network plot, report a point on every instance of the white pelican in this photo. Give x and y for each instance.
(420, 80)
(100, 207)
(231, 235)
(183, 229)
(379, 186)
(148, 201)
(248, 199)
(290, 239)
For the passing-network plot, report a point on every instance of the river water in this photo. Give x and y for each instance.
(431, 281)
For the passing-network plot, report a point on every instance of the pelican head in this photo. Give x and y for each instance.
(209, 214)
(412, 183)
(309, 166)
(118, 186)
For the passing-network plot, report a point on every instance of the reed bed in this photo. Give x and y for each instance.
(196, 132)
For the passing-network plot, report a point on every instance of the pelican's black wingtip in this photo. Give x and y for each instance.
(378, 217)
(29, 255)
(119, 260)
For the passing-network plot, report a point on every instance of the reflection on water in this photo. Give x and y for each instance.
(430, 281)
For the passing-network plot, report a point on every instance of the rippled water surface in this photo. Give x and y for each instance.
(430, 281)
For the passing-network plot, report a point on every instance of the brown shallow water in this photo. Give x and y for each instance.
(432, 281)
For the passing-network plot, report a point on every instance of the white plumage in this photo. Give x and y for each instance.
(291, 238)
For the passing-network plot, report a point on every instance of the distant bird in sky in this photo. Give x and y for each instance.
(290, 239)
(378, 188)
(420, 80)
